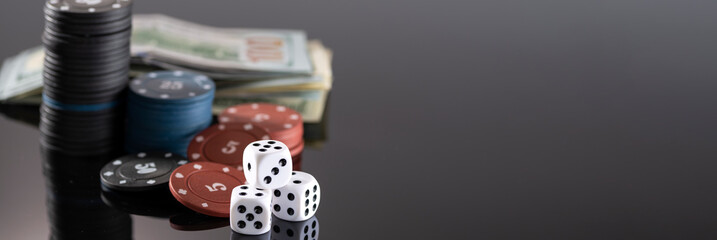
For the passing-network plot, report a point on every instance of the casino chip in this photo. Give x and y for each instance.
(205, 187)
(154, 102)
(283, 123)
(95, 7)
(141, 171)
(85, 74)
(224, 143)
(173, 86)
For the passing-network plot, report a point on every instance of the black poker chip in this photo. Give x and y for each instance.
(98, 29)
(85, 75)
(141, 171)
(87, 8)
(87, 52)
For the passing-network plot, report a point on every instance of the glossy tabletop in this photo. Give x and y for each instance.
(470, 119)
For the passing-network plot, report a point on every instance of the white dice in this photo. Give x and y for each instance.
(267, 164)
(284, 230)
(249, 213)
(298, 200)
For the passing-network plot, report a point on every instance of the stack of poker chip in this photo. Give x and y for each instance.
(165, 109)
(86, 70)
(282, 123)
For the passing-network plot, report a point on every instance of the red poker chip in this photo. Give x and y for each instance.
(296, 162)
(295, 151)
(205, 187)
(225, 142)
(283, 123)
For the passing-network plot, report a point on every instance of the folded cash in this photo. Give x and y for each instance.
(248, 65)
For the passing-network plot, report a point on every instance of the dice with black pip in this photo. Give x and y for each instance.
(250, 212)
(267, 164)
(298, 200)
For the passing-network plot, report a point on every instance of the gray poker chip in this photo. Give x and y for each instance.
(141, 171)
(172, 86)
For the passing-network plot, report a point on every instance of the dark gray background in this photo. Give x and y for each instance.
(472, 119)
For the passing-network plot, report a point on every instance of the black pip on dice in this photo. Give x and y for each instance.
(298, 200)
(250, 213)
(267, 164)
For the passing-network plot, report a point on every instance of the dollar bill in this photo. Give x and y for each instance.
(320, 79)
(253, 53)
(21, 75)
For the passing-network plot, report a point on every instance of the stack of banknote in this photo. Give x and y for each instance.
(248, 65)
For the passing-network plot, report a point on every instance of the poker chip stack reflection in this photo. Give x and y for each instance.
(165, 109)
(85, 73)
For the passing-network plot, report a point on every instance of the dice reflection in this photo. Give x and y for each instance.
(239, 236)
(304, 230)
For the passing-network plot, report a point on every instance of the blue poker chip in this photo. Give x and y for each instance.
(172, 86)
(165, 109)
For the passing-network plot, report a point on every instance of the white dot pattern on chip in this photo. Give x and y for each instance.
(225, 169)
(178, 73)
(152, 75)
(280, 108)
(141, 155)
(221, 127)
(182, 162)
(197, 166)
(168, 155)
(182, 191)
(199, 138)
(179, 175)
(109, 173)
(232, 110)
(122, 181)
(294, 117)
(288, 125)
(254, 106)
(196, 156)
(205, 205)
(151, 181)
(248, 127)
(117, 162)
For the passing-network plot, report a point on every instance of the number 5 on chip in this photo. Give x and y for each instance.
(205, 187)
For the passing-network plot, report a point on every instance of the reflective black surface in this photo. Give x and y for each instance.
(471, 119)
